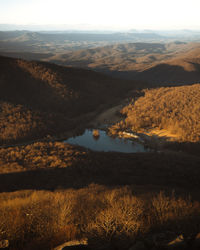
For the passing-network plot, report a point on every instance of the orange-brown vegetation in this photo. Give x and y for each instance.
(50, 87)
(105, 212)
(95, 133)
(39, 156)
(18, 122)
(48, 165)
(40, 98)
(174, 109)
(52, 192)
(114, 218)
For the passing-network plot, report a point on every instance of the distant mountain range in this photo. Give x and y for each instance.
(159, 60)
(157, 63)
(61, 42)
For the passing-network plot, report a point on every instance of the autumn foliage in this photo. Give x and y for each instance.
(175, 109)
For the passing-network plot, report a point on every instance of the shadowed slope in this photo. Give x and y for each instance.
(48, 166)
(50, 95)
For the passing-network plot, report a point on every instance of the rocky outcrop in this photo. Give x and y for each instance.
(167, 241)
(73, 245)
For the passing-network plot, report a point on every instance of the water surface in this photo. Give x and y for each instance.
(106, 143)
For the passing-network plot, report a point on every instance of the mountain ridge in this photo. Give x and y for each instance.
(53, 95)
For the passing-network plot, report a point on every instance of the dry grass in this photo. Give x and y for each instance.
(114, 217)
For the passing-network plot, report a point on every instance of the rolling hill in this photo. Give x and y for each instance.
(52, 192)
(60, 42)
(140, 56)
(158, 63)
(173, 109)
(42, 98)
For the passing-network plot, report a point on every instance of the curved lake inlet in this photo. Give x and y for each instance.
(106, 143)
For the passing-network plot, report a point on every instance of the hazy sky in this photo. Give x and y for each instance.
(104, 14)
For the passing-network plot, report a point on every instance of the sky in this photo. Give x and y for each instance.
(103, 14)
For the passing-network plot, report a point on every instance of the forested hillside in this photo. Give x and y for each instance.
(37, 98)
(176, 109)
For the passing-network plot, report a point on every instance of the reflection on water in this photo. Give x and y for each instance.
(106, 143)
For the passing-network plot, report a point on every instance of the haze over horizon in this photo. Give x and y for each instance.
(101, 15)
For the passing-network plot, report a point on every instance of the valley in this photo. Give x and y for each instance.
(155, 59)
(99, 139)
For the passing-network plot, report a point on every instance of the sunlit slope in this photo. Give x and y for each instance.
(175, 109)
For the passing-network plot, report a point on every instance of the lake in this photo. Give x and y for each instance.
(106, 143)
